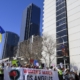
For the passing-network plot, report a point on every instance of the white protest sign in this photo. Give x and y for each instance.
(29, 74)
(61, 65)
(39, 74)
(13, 73)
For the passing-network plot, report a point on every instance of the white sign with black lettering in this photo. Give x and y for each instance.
(39, 74)
(29, 74)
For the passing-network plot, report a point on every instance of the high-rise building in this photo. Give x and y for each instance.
(61, 20)
(10, 41)
(30, 22)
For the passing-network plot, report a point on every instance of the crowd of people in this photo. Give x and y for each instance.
(66, 74)
(63, 74)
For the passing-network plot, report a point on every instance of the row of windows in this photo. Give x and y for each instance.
(61, 28)
(59, 1)
(28, 23)
(64, 32)
(61, 39)
(60, 11)
(61, 19)
(60, 16)
(61, 22)
(61, 60)
(59, 46)
(60, 6)
(29, 12)
(59, 53)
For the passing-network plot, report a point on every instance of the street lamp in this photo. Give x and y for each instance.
(64, 57)
(31, 42)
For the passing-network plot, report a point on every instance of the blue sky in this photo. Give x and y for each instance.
(11, 14)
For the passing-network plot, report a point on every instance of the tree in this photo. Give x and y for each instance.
(31, 50)
(49, 48)
(40, 48)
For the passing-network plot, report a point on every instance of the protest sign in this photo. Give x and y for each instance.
(30, 74)
(37, 74)
(13, 73)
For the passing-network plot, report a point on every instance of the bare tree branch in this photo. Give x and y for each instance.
(49, 46)
(31, 50)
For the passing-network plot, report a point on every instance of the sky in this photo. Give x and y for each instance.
(11, 15)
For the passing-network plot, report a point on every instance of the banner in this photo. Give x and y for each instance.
(30, 74)
(39, 74)
(13, 73)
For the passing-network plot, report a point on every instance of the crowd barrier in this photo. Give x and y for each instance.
(29, 74)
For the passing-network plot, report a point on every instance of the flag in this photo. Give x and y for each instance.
(35, 62)
(0, 37)
(14, 62)
(1, 30)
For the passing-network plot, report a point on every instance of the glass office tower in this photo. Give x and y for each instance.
(10, 41)
(30, 22)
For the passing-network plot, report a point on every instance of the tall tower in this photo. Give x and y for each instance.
(10, 41)
(30, 22)
(61, 20)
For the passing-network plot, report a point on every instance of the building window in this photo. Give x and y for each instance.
(64, 32)
(59, 2)
(59, 53)
(61, 16)
(62, 21)
(61, 27)
(61, 39)
(60, 5)
(60, 11)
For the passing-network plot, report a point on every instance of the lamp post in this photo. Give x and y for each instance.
(64, 57)
(31, 42)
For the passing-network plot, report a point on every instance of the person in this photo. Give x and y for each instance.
(79, 75)
(14, 65)
(8, 65)
(72, 75)
(54, 69)
(51, 67)
(76, 76)
(60, 74)
(67, 75)
(1, 71)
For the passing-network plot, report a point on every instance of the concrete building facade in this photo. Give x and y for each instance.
(61, 20)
